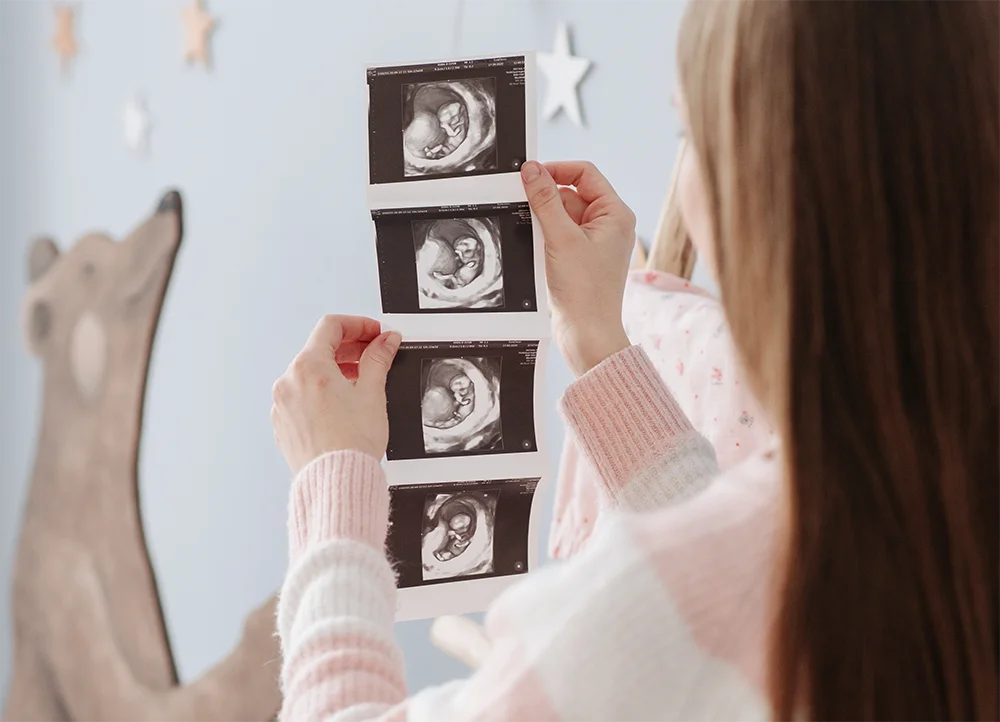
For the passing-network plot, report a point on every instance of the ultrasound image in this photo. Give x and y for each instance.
(457, 534)
(459, 530)
(459, 263)
(443, 398)
(460, 404)
(449, 127)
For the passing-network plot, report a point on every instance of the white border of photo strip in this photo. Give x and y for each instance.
(472, 595)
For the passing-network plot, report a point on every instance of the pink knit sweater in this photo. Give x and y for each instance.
(683, 329)
(664, 615)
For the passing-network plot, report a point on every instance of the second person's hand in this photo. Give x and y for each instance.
(589, 237)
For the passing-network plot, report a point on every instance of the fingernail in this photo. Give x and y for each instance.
(530, 171)
(392, 341)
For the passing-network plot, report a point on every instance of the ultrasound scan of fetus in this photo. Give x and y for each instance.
(449, 127)
(459, 264)
(458, 534)
(460, 404)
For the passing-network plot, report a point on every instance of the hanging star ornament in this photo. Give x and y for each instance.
(198, 25)
(137, 125)
(563, 73)
(64, 40)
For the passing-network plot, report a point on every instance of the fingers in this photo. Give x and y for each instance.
(332, 330)
(352, 343)
(347, 357)
(349, 371)
(377, 358)
(583, 175)
(349, 352)
(309, 370)
(545, 200)
(575, 205)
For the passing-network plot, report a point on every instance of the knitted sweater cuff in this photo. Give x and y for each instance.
(624, 417)
(340, 495)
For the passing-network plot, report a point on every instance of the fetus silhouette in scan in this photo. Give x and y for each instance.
(460, 404)
(449, 127)
(459, 263)
(457, 535)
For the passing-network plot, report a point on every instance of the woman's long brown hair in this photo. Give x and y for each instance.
(850, 154)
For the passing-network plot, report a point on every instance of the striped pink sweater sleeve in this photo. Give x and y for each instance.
(608, 635)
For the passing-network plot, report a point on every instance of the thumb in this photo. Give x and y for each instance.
(545, 201)
(377, 358)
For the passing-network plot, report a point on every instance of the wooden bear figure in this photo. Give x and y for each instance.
(90, 640)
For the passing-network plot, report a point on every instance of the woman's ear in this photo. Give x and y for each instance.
(42, 255)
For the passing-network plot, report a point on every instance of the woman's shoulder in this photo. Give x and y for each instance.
(666, 282)
(683, 330)
(650, 294)
(660, 307)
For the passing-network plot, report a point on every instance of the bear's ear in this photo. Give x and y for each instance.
(170, 203)
(42, 255)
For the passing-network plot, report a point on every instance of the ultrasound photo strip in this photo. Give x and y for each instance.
(461, 276)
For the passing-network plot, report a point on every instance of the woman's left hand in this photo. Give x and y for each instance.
(332, 397)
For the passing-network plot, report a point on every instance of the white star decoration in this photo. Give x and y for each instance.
(563, 72)
(136, 119)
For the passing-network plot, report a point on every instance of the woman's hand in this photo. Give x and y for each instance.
(332, 397)
(589, 238)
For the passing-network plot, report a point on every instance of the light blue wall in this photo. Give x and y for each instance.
(269, 152)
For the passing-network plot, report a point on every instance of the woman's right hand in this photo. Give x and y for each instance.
(589, 238)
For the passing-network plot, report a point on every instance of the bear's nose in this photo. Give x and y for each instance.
(170, 203)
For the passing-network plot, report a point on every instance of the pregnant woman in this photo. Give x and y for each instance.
(845, 170)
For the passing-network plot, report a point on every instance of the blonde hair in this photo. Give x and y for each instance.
(672, 250)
